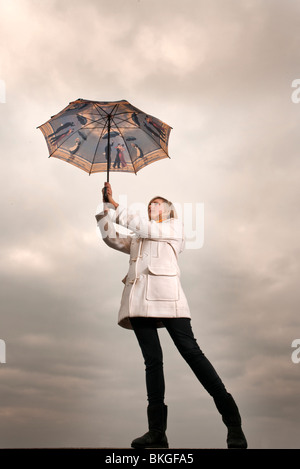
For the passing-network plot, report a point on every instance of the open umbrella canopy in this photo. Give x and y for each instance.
(106, 136)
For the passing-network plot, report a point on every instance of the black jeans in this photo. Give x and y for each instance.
(181, 332)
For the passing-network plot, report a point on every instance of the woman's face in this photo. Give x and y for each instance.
(155, 209)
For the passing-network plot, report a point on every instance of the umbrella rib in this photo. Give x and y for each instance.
(127, 120)
(105, 112)
(159, 146)
(104, 127)
(139, 127)
(125, 144)
(64, 141)
(93, 121)
(92, 162)
(116, 106)
(85, 126)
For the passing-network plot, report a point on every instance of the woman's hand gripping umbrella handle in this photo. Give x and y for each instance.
(107, 195)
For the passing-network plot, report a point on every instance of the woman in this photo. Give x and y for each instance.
(153, 298)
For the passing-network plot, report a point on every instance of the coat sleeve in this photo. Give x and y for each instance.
(119, 241)
(168, 230)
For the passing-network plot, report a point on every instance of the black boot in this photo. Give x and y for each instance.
(156, 436)
(236, 438)
(232, 419)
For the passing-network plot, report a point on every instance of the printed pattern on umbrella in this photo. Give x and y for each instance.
(79, 135)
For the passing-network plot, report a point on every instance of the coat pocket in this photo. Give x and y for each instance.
(162, 284)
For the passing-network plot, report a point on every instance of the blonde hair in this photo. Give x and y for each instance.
(170, 212)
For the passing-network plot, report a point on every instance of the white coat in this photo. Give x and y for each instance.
(152, 284)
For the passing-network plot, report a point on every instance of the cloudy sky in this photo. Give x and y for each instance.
(220, 73)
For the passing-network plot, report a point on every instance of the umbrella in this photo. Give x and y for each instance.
(101, 136)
